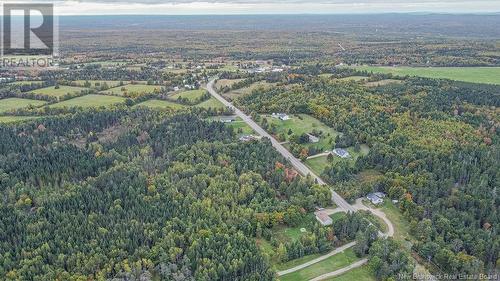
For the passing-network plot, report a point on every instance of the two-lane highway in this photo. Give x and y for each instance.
(296, 163)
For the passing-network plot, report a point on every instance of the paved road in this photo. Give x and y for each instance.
(340, 271)
(296, 163)
(316, 260)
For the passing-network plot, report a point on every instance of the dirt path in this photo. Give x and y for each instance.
(360, 206)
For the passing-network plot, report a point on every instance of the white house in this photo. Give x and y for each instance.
(281, 116)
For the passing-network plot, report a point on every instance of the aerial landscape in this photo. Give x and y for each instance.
(288, 142)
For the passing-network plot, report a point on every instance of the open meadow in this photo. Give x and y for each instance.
(9, 104)
(89, 101)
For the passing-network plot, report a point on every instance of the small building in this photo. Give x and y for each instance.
(227, 119)
(375, 199)
(313, 138)
(323, 218)
(342, 153)
(281, 116)
(247, 138)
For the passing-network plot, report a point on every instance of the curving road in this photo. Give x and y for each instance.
(296, 163)
(316, 260)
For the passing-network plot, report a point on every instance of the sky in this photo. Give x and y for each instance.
(196, 7)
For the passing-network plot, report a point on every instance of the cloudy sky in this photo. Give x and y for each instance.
(180, 7)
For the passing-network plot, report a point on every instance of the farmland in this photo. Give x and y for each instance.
(211, 103)
(191, 96)
(488, 75)
(57, 93)
(132, 90)
(89, 101)
(98, 83)
(9, 104)
(160, 104)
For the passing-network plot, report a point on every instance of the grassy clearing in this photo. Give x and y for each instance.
(192, 95)
(401, 225)
(53, 92)
(318, 164)
(22, 83)
(488, 75)
(337, 216)
(211, 103)
(17, 103)
(295, 262)
(331, 264)
(98, 83)
(240, 124)
(221, 83)
(383, 82)
(161, 104)
(89, 101)
(132, 89)
(248, 90)
(359, 274)
(353, 78)
(302, 123)
(12, 119)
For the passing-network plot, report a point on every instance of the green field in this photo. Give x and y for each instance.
(302, 123)
(98, 83)
(26, 82)
(192, 95)
(332, 263)
(9, 104)
(361, 273)
(89, 101)
(489, 75)
(239, 124)
(319, 164)
(12, 119)
(295, 262)
(161, 104)
(132, 89)
(53, 92)
(211, 103)
(247, 90)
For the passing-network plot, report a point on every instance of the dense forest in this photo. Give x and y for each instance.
(168, 196)
(436, 144)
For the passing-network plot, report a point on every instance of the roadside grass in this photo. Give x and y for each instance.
(9, 104)
(488, 75)
(330, 264)
(335, 217)
(12, 119)
(132, 89)
(192, 95)
(240, 124)
(53, 92)
(160, 104)
(89, 101)
(362, 273)
(295, 262)
(211, 103)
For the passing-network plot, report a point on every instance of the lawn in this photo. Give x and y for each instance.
(132, 89)
(192, 95)
(11, 119)
(9, 104)
(318, 164)
(89, 101)
(303, 123)
(211, 103)
(240, 124)
(489, 75)
(332, 263)
(58, 93)
(361, 273)
(295, 262)
(401, 225)
(161, 104)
